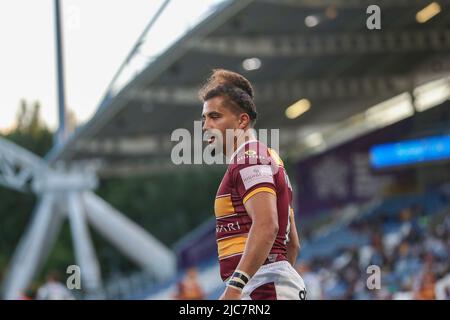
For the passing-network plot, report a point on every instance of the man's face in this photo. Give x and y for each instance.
(217, 116)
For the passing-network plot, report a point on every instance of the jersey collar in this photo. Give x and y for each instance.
(240, 147)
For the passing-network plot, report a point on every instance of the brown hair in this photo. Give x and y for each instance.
(235, 87)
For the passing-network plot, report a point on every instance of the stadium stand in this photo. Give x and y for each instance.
(408, 236)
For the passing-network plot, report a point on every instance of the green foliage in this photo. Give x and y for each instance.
(15, 211)
(31, 132)
(16, 208)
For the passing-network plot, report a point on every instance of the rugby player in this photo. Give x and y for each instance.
(255, 228)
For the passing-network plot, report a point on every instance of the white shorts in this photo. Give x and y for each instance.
(275, 281)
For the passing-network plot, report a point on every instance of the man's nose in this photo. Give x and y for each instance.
(206, 125)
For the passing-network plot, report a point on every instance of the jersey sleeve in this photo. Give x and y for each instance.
(250, 179)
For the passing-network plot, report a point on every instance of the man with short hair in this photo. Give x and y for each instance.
(255, 227)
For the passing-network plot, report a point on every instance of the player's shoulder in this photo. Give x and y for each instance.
(251, 153)
(257, 155)
(253, 165)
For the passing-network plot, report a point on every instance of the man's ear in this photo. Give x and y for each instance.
(244, 120)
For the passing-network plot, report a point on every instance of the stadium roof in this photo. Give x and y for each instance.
(307, 49)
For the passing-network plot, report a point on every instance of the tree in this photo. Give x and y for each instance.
(16, 208)
(31, 131)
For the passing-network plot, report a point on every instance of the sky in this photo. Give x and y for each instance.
(98, 35)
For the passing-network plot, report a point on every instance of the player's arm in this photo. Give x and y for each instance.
(293, 245)
(262, 209)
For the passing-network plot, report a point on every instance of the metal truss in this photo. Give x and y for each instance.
(18, 166)
(342, 88)
(322, 45)
(349, 4)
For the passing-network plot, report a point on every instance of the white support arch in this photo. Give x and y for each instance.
(28, 256)
(18, 166)
(67, 193)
